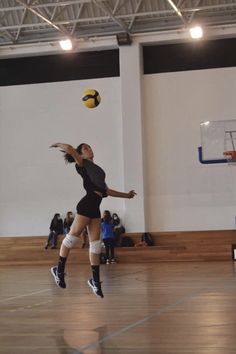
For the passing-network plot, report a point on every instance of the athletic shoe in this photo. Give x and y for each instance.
(58, 277)
(46, 246)
(96, 287)
(113, 261)
(107, 261)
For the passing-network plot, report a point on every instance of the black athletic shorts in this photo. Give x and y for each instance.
(89, 206)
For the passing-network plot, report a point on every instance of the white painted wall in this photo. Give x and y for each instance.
(34, 181)
(183, 194)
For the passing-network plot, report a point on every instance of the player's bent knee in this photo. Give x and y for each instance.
(70, 241)
(95, 247)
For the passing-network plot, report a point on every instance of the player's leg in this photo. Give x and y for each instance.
(94, 228)
(68, 242)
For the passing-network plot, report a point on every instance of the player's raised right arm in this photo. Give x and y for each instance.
(68, 149)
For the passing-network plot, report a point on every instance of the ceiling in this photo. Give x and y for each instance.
(43, 21)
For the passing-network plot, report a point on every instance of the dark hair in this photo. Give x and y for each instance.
(67, 218)
(107, 216)
(68, 158)
(115, 221)
(55, 219)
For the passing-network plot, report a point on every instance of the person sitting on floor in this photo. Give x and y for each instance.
(56, 228)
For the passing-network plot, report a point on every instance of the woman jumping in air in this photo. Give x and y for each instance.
(88, 212)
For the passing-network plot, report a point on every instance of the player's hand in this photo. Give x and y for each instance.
(64, 147)
(131, 194)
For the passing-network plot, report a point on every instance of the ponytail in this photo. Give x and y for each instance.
(70, 159)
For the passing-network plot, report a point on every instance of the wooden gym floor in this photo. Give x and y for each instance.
(162, 308)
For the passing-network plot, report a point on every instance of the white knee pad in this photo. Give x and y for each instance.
(70, 241)
(95, 247)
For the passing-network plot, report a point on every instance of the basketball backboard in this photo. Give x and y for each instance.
(217, 137)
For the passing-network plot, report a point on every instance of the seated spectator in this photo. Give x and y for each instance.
(118, 228)
(56, 228)
(68, 222)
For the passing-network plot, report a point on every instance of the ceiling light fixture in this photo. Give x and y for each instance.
(66, 44)
(196, 32)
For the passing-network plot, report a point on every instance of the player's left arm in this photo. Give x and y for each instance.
(116, 194)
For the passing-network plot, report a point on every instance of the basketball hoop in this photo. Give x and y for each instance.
(229, 147)
(230, 156)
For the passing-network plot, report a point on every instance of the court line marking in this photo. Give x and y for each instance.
(29, 307)
(24, 295)
(157, 313)
(42, 291)
(45, 290)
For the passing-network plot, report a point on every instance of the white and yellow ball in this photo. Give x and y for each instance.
(91, 98)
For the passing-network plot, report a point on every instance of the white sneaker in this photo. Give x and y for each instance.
(58, 278)
(96, 287)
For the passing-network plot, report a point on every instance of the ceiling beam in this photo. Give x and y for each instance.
(51, 14)
(133, 19)
(193, 13)
(7, 35)
(22, 20)
(116, 7)
(129, 17)
(108, 11)
(176, 9)
(104, 18)
(47, 4)
(45, 19)
(74, 2)
(3, 31)
(54, 11)
(77, 18)
(119, 4)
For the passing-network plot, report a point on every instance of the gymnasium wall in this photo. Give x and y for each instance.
(180, 193)
(183, 194)
(35, 182)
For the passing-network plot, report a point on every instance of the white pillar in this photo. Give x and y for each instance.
(131, 101)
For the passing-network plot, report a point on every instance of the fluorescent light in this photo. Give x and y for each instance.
(175, 7)
(66, 44)
(196, 32)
